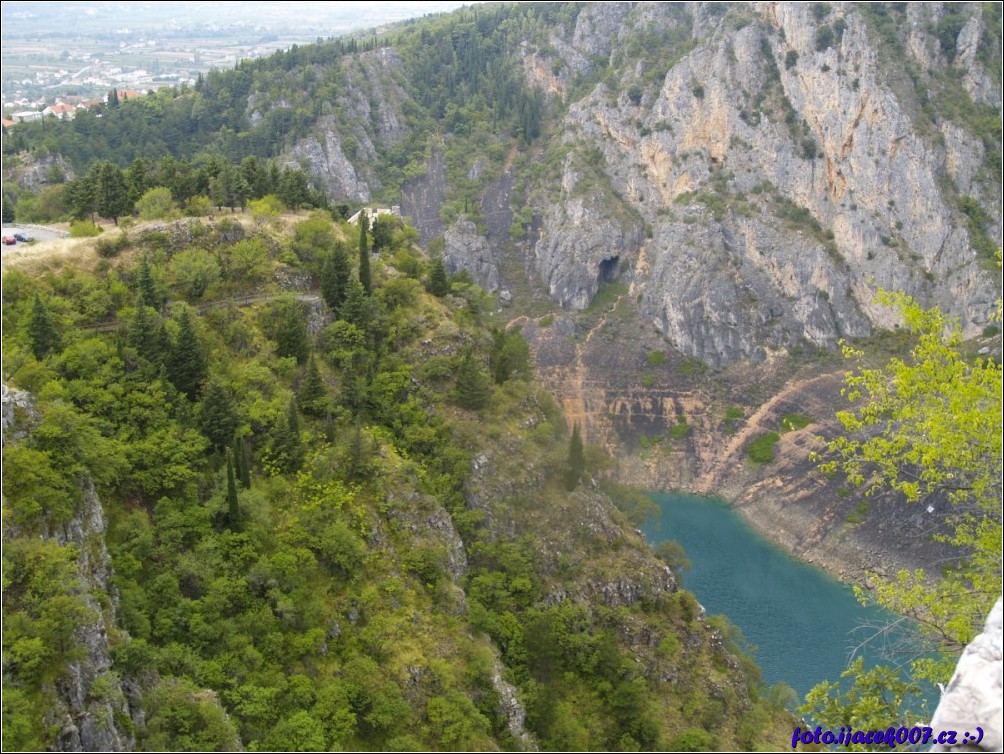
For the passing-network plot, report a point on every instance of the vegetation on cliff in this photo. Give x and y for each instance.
(322, 534)
(928, 427)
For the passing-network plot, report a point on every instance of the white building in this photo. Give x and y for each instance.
(372, 213)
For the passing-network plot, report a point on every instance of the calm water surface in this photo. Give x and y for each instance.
(801, 620)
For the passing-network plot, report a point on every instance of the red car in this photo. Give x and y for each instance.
(9, 240)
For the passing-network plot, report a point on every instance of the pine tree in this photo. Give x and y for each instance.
(147, 293)
(439, 283)
(291, 334)
(473, 388)
(218, 418)
(364, 254)
(113, 199)
(335, 275)
(355, 309)
(42, 333)
(294, 448)
(8, 210)
(186, 363)
(233, 508)
(82, 195)
(313, 395)
(145, 334)
(576, 460)
(509, 356)
(351, 394)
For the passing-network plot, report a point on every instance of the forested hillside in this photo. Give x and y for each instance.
(275, 482)
(259, 494)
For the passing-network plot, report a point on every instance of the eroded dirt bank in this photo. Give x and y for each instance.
(675, 427)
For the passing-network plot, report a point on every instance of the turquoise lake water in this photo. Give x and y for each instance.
(801, 620)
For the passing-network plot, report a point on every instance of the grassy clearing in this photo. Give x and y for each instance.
(48, 255)
(761, 449)
(793, 422)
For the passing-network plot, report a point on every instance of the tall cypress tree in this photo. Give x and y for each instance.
(42, 333)
(329, 427)
(233, 508)
(242, 456)
(364, 254)
(576, 459)
(294, 448)
(186, 364)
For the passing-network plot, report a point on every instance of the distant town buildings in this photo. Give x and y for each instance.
(66, 110)
(60, 110)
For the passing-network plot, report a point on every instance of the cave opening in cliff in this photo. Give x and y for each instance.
(608, 270)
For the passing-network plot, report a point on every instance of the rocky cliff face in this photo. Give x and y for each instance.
(342, 149)
(94, 714)
(92, 709)
(744, 178)
(756, 172)
(783, 172)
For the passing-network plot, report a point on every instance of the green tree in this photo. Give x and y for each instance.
(576, 459)
(113, 199)
(473, 389)
(294, 447)
(266, 210)
(313, 237)
(156, 204)
(929, 425)
(82, 195)
(509, 356)
(364, 254)
(145, 336)
(42, 333)
(439, 283)
(870, 699)
(383, 232)
(313, 396)
(228, 188)
(233, 506)
(356, 307)
(671, 552)
(242, 461)
(8, 210)
(335, 275)
(148, 292)
(195, 270)
(290, 333)
(217, 416)
(187, 364)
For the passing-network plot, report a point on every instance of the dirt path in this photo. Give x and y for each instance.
(731, 454)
